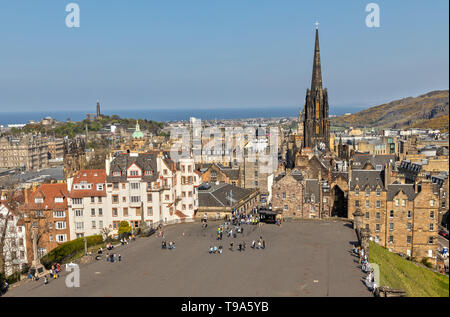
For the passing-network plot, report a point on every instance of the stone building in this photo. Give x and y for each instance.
(29, 152)
(316, 123)
(219, 201)
(287, 194)
(218, 173)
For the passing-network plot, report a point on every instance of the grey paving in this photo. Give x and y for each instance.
(301, 259)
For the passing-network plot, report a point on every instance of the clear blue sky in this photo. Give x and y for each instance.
(216, 53)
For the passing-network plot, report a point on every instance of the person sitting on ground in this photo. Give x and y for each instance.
(107, 257)
(100, 250)
(259, 244)
(240, 246)
(253, 244)
(231, 246)
(211, 250)
(264, 244)
(164, 245)
(215, 249)
(50, 272)
(220, 249)
(120, 257)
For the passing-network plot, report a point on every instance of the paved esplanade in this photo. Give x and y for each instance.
(300, 259)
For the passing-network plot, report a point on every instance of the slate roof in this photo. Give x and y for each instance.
(394, 189)
(219, 195)
(364, 178)
(145, 161)
(296, 174)
(360, 160)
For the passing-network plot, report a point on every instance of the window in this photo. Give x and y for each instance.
(367, 204)
(59, 199)
(367, 215)
(150, 211)
(293, 196)
(135, 185)
(367, 226)
(391, 239)
(94, 224)
(409, 214)
(124, 199)
(432, 203)
(409, 226)
(298, 207)
(100, 212)
(99, 186)
(367, 192)
(378, 192)
(377, 227)
(79, 225)
(356, 203)
(125, 211)
(430, 240)
(166, 197)
(92, 212)
(391, 214)
(431, 227)
(149, 198)
(397, 202)
(313, 198)
(115, 199)
(99, 199)
(60, 225)
(135, 199)
(39, 200)
(190, 206)
(133, 173)
(431, 214)
(391, 226)
(286, 207)
(79, 212)
(377, 239)
(100, 224)
(378, 204)
(115, 185)
(77, 201)
(408, 239)
(403, 202)
(356, 192)
(284, 195)
(92, 199)
(59, 214)
(114, 212)
(116, 173)
(61, 238)
(190, 194)
(377, 216)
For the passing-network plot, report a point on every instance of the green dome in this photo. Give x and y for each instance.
(138, 134)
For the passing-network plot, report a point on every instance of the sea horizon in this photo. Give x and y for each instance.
(165, 115)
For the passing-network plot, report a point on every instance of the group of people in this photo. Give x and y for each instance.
(215, 250)
(366, 268)
(170, 247)
(113, 257)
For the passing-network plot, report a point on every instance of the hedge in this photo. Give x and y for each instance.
(69, 249)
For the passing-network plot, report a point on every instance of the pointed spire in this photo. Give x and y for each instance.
(316, 82)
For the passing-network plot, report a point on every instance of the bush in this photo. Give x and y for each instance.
(69, 249)
(427, 263)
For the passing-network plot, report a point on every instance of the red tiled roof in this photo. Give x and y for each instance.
(93, 177)
(48, 192)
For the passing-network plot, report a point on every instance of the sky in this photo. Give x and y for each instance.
(212, 54)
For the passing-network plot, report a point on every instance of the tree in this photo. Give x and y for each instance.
(124, 227)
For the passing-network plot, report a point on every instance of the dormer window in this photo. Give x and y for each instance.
(39, 200)
(59, 199)
(99, 186)
(116, 173)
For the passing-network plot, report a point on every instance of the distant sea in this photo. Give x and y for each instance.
(167, 114)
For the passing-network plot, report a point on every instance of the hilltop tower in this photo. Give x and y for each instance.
(316, 124)
(98, 110)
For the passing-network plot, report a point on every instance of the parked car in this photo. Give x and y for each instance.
(443, 233)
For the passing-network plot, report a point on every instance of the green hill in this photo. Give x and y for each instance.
(399, 273)
(426, 111)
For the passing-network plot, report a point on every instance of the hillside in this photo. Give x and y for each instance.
(399, 273)
(425, 111)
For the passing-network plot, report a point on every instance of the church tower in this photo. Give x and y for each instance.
(316, 124)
